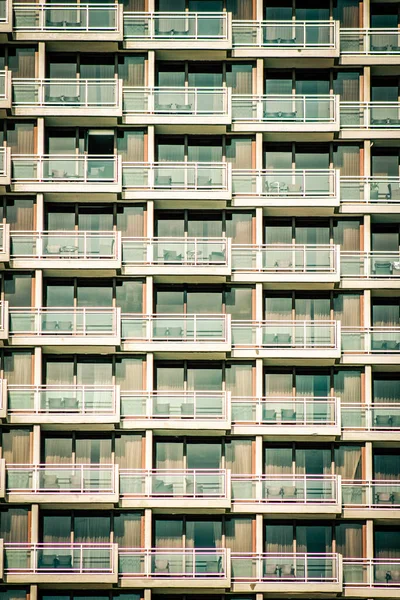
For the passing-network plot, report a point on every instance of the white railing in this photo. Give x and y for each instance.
(286, 489)
(285, 109)
(170, 328)
(66, 93)
(64, 321)
(286, 334)
(368, 41)
(181, 176)
(4, 17)
(188, 252)
(175, 26)
(296, 568)
(57, 559)
(68, 400)
(173, 563)
(370, 265)
(66, 18)
(179, 101)
(371, 494)
(370, 190)
(287, 183)
(294, 34)
(366, 115)
(3, 77)
(285, 258)
(64, 168)
(177, 483)
(60, 479)
(179, 404)
(371, 572)
(371, 340)
(3, 162)
(377, 417)
(286, 411)
(78, 245)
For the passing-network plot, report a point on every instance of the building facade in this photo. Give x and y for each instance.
(200, 300)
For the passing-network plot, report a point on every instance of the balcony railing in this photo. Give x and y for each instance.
(298, 335)
(286, 489)
(3, 74)
(64, 168)
(370, 190)
(286, 411)
(370, 115)
(57, 559)
(176, 101)
(173, 484)
(292, 184)
(170, 328)
(371, 494)
(66, 93)
(176, 252)
(66, 400)
(370, 41)
(181, 27)
(371, 572)
(64, 322)
(71, 245)
(173, 563)
(286, 35)
(179, 404)
(80, 18)
(4, 16)
(172, 176)
(285, 258)
(60, 479)
(3, 162)
(378, 417)
(370, 265)
(281, 568)
(285, 109)
(372, 340)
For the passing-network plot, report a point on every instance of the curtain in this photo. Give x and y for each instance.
(314, 539)
(127, 530)
(130, 221)
(240, 10)
(278, 234)
(98, 372)
(239, 77)
(348, 462)
(347, 234)
(93, 450)
(347, 385)
(386, 464)
(347, 159)
(134, 5)
(56, 528)
(239, 152)
(347, 12)
(385, 314)
(18, 368)
(312, 309)
(349, 539)
(170, 377)
(13, 594)
(387, 542)
(239, 227)
(131, 70)
(279, 538)
(20, 213)
(128, 451)
(169, 455)
(203, 534)
(239, 534)
(278, 384)
(20, 138)
(21, 62)
(58, 372)
(346, 309)
(129, 373)
(386, 389)
(278, 460)
(130, 145)
(57, 450)
(239, 379)
(278, 308)
(16, 445)
(347, 85)
(129, 295)
(14, 525)
(92, 528)
(168, 533)
(313, 461)
(239, 455)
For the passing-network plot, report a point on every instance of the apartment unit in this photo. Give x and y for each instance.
(200, 300)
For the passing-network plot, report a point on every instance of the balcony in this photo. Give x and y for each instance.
(174, 568)
(4, 245)
(286, 573)
(59, 174)
(100, 98)
(371, 422)
(380, 577)
(4, 327)
(286, 264)
(178, 31)
(166, 411)
(371, 345)
(287, 494)
(286, 114)
(66, 250)
(174, 333)
(60, 563)
(178, 106)
(370, 46)
(373, 270)
(64, 406)
(369, 120)
(285, 39)
(370, 194)
(5, 168)
(178, 489)
(62, 484)
(287, 188)
(177, 257)
(5, 17)
(71, 327)
(77, 22)
(282, 340)
(300, 416)
(5, 86)
(371, 499)
(177, 181)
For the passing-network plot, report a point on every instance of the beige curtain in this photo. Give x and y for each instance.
(93, 450)
(131, 70)
(349, 539)
(92, 528)
(278, 460)
(59, 372)
(278, 384)
(347, 385)
(239, 227)
(387, 542)
(21, 62)
(127, 530)
(240, 9)
(204, 534)
(20, 214)
(20, 138)
(347, 309)
(239, 379)
(386, 389)
(347, 159)
(130, 221)
(131, 145)
(347, 234)
(239, 152)
(348, 462)
(239, 534)
(128, 451)
(129, 373)
(57, 450)
(169, 455)
(18, 368)
(16, 445)
(168, 533)
(238, 455)
(14, 525)
(279, 538)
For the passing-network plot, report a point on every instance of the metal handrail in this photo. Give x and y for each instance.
(188, 19)
(191, 248)
(84, 407)
(37, 162)
(82, 87)
(369, 413)
(171, 170)
(82, 11)
(181, 320)
(193, 484)
(77, 328)
(296, 252)
(363, 37)
(186, 94)
(257, 101)
(71, 251)
(294, 25)
(306, 326)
